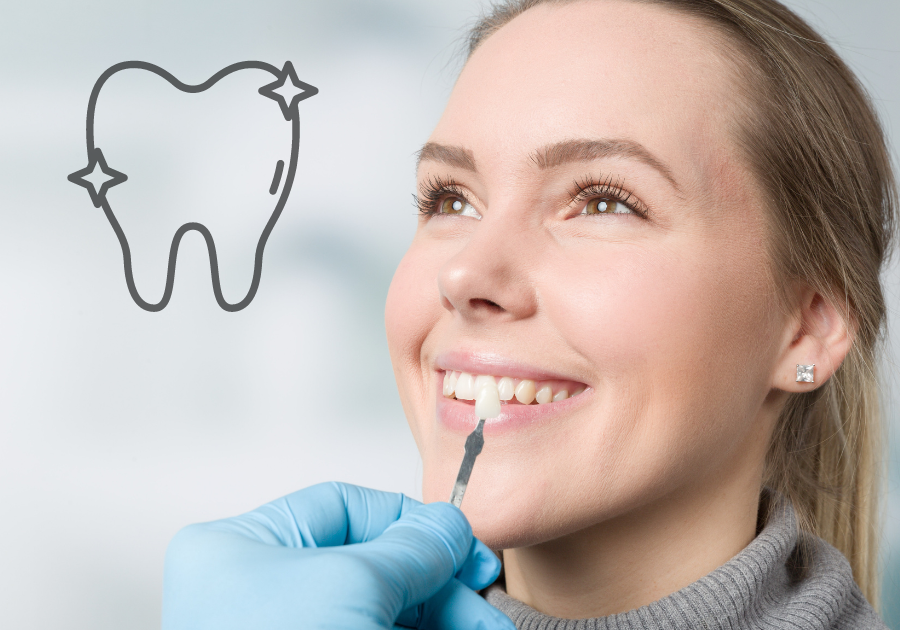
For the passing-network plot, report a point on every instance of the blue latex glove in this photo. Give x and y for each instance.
(332, 556)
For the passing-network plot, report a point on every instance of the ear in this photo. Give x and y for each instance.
(817, 335)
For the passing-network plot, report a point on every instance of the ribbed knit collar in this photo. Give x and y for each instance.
(755, 589)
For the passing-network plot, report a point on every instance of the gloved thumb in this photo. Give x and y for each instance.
(418, 553)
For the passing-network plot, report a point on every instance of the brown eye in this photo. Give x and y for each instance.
(458, 205)
(452, 205)
(605, 206)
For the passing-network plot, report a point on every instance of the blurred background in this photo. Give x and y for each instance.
(119, 426)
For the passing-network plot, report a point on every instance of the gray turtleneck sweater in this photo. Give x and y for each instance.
(761, 587)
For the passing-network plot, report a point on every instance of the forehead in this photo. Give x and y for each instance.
(599, 69)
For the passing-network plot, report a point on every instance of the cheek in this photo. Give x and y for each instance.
(411, 312)
(675, 334)
(659, 307)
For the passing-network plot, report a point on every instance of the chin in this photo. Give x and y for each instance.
(505, 520)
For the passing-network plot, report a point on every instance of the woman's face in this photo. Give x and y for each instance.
(594, 228)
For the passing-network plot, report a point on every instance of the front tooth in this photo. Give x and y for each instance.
(560, 395)
(525, 392)
(487, 402)
(465, 387)
(544, 395)
(454, 376)
(484, 379)
(506, 388)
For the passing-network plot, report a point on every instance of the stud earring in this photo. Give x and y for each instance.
(805, 373)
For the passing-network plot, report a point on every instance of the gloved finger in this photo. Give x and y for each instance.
(324, 515)
(333, 513)
(481, 568)
(455, 606)
(418, 554)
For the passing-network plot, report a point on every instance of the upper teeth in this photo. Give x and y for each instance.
(466, 386)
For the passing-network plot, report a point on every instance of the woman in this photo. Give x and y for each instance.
(661, 225)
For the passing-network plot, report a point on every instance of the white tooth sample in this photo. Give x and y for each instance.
(484, 379)
(447, 390)
(560, 395)
(544, 395)
(525, 392)
(487, 402)
(507, 388)
(465, 387)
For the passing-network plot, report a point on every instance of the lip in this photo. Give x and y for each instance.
(459, 416)
(496, 365)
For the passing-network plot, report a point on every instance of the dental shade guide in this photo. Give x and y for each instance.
(487, 405)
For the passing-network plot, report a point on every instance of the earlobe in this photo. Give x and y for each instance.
(820, 339)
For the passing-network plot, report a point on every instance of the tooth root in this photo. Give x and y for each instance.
(506, 388)
(525, 392)
(465, 387)
(544, 395)
(487, 401)
(560, 395)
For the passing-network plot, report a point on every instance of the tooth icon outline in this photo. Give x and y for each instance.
(98, 196)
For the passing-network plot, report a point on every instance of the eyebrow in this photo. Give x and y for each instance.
(553, 155)
(568, 151)
(450, 155)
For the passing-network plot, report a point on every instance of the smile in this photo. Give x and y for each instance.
(524, 402)
(463, 386)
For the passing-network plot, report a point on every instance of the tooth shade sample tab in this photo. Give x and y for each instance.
(487, 402)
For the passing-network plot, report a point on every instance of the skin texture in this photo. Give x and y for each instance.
(651, 479)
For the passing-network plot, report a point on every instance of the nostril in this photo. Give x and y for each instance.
(481, 303)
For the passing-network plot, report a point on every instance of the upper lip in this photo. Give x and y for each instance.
(495, 364)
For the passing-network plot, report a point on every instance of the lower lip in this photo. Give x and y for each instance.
(460, 416)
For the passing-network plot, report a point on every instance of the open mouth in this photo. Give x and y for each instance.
(464, 386)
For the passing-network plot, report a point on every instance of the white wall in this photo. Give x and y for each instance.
(118, 426)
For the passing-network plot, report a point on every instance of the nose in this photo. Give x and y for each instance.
(490, 277)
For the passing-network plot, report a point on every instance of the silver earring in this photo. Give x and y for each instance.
(805, 373)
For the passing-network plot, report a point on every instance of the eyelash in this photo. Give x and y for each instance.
(607, 189)
(436, 189)
(433, 193)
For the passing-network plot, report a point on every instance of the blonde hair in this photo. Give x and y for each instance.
(814, 143)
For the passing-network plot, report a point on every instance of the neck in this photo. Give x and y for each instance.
(639, 557)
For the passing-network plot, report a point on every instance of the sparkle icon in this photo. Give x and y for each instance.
(287, 90)
(97, 177)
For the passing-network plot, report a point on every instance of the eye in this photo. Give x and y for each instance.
(606, 206)
(457, 205)
(608, 195)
